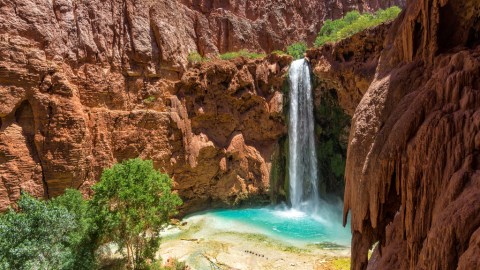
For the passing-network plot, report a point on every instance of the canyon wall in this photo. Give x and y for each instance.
(268, 25)
(79, 91)
(213, 131)
(158, 35)
(413, 171)
(85, 84)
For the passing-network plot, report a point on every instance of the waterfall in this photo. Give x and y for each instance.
(302, 161)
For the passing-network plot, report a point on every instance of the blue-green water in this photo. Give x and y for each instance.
(284, 224)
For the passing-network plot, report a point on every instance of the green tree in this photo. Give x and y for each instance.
(43, 235)
(296, 50)
(84, 237)
(132, 203)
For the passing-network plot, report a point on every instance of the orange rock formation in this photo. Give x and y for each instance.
(413, 181)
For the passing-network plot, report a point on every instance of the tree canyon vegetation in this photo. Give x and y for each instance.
(188, 134)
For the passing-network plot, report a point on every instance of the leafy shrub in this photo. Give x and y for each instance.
(195, 58)
(132, 203)
(47, 235)
(279, 52)
(149, 100)
(84, 238)
(296, 50)
(241, 53)
(353, 22)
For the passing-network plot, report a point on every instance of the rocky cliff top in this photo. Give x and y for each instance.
(155, 37)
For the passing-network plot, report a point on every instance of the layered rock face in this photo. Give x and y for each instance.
(160, 34)
(85, 84)
(66, 116)
(267, 25)
(413, 173)
(212, 131)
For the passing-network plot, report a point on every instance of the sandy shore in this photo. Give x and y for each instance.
(204, 246)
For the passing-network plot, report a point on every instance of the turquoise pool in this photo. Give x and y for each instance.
(284, 224)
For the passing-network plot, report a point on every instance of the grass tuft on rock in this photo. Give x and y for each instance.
(241, 53)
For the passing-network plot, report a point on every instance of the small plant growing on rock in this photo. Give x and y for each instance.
(241, 53)
(149, 100)
(195, 57)
(279, 52)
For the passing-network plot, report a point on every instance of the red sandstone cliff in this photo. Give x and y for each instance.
(160, 34)
(348, 67)
(267, 25)
(84, 84)
(212, 131)
(413, 171)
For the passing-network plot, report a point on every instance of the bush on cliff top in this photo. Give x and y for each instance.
(353, 22)
(195, 58)
(296, 50)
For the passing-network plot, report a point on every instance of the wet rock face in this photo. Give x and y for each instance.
(412, 168)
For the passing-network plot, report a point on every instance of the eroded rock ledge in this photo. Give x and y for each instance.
(413, 172)
(86, 84)
(213, 130)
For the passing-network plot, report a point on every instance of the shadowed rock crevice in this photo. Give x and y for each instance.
(25, 119)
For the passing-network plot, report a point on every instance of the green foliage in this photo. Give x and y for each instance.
(296, 50)
(241, 53)
(149, 100)
(85, 236)
(279, 52)
(132, 203)
(353, 22)
(178, 265)
(46, 235)
(172, 264)
(195, 58)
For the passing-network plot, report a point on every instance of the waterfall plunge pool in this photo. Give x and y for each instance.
(258, 238)
(280, 223)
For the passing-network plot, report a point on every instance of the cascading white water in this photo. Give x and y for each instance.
(302, 155)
